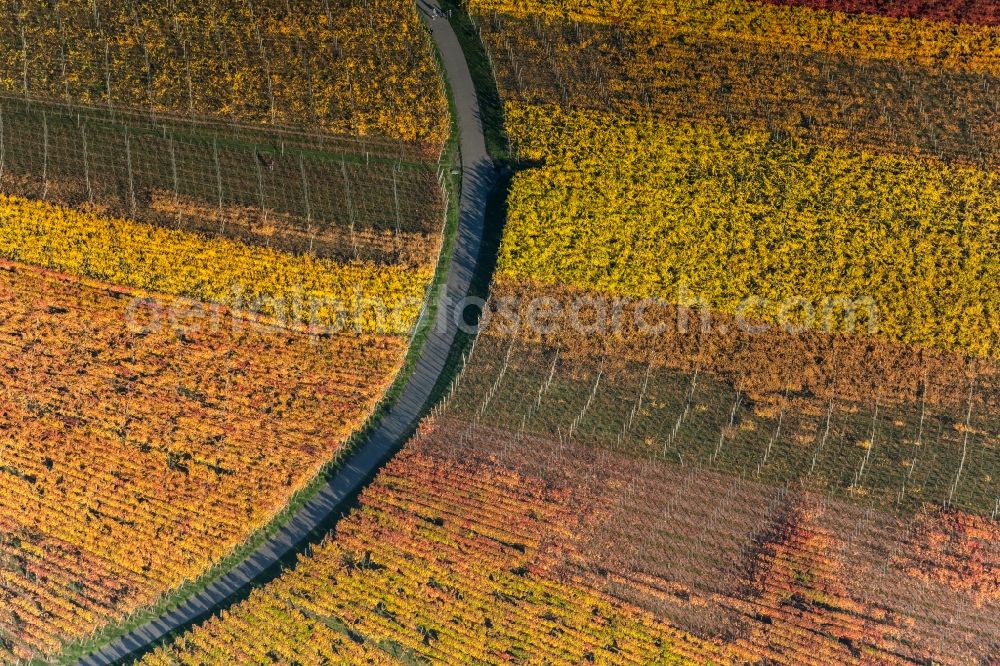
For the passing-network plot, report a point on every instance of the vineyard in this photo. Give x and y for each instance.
(819, 246)
(982, 12)
(683, 177)
(297, 192)
(852, 435)
(735, 398)
(818, 492)
(219, 224)
(964, 47)
(891, 106)
(578, 540)
(134, 458)
(453, 576)
(354, 68)
(734, 217)
(752, 483)
(298, 289)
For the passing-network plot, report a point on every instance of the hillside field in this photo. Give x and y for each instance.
(759, 486)
(219, 225)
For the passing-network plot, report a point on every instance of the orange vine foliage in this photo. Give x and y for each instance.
(797, 603)
(478, 545)
(441, 563)
(138, 450)
(815, 365)
(956, 549)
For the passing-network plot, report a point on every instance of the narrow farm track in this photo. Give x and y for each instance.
(477, 181)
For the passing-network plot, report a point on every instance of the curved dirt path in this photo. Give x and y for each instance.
(478, 177)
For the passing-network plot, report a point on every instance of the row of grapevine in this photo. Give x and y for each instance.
(441, 565)
(135, 457)
(858, 438)
(879, 105)
(289, 191)
(480, 545)
(763, 364)
(360, 296)
(982, 12)
(356, 68)
(755, 227)
(938, 44)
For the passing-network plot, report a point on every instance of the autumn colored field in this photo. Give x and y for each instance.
(348, 296)
(936, 44)
(218, 226)
(769, 479)
(763, 363)
(749, 225)
(137, 451)
(483, 545)
(761, 179)
(356, 68)
(891, 106)
(862, 427)
(713, 492)
(292, 126)
(981, 12)
(445, 563)
(333, 196)
(801, 252)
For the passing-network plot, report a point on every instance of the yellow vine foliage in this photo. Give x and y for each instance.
(933, 43)
(360, 68)
(880, 105)
(749, 225)
(362, 296)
